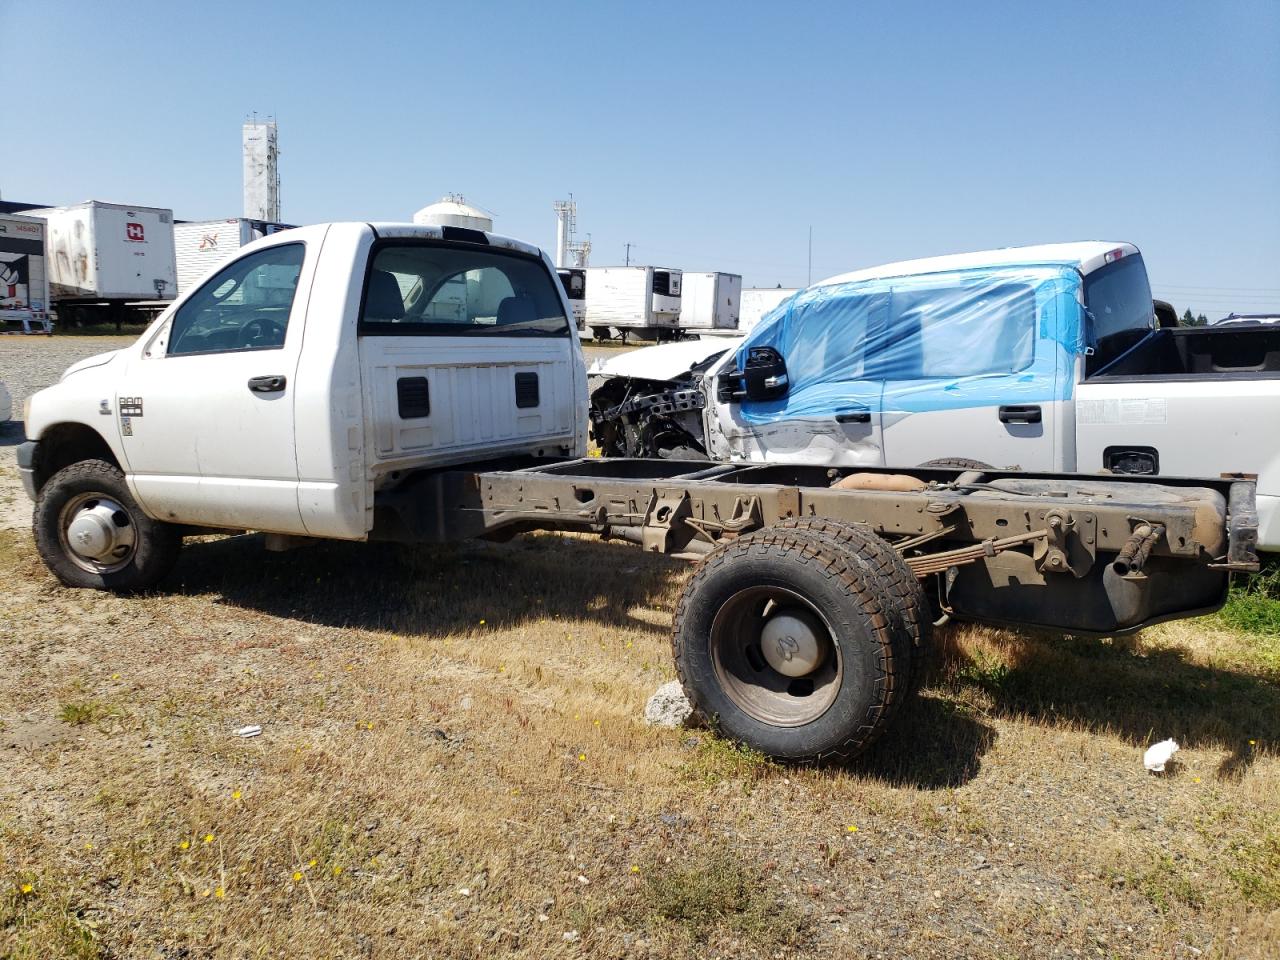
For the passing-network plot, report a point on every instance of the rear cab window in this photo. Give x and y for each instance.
(1121, 312)
(417, 288)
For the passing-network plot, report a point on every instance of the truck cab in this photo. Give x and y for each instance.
(315, 369)
(1042, 358)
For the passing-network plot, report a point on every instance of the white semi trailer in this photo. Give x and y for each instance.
(24, 280)
(109, 261)
(202, 245)
(710, 303)
(640, 302)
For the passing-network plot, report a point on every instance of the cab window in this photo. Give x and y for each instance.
(423, 288)
(1118, 298)
(244, 306)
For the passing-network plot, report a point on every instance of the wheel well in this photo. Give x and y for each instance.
(66, 443)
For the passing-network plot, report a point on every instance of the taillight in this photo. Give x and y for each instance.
(1114, 255)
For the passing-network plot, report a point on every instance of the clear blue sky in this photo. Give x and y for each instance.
(711, 136)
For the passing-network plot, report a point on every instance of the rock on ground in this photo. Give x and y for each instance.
(668, 707)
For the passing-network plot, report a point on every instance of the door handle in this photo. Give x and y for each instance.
(854, 416)
(1020, 413)
(273, 384)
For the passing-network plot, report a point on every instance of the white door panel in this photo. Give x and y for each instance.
(204, 446)
(800, 440)
(974, 433)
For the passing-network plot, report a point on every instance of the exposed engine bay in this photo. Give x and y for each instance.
(639, 416)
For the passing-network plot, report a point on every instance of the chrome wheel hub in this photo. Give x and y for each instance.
(98, 533)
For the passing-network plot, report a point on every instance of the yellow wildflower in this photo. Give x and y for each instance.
(297, 876)
(235, 794)
(208, 838)
(852, 828)
(634, 868)
(582, 756)
(337, 871)
(219, 893)
(184, 845)
(27, 888)
(312, 862)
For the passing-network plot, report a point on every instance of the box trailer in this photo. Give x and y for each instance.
(643, 302)
(710, 302)
(202, 245)
(757, 301)
(574, 281)
(24, 281)
(108, 260)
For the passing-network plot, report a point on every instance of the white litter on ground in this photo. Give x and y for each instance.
(1159, 754)
(250, 731)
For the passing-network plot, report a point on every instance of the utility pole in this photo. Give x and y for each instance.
(810, 283)
(628, 254)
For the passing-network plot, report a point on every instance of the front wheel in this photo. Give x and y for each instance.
(783, 642)
(91, 532)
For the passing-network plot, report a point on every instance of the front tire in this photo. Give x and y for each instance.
(783, 642)
(90, 531)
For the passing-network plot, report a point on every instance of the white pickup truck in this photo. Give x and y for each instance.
(1048, 357)
(384, 381)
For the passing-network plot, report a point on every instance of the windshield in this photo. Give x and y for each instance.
(1118, 298)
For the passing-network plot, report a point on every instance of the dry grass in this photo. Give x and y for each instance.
(452, 765)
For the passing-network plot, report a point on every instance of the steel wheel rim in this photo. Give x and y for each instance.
(97, 533)
(747, 676)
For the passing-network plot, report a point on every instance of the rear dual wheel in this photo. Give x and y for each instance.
(787, 641)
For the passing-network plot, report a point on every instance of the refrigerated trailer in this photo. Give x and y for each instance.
(24, 280)
(574, 281)
(710, 302)
(202, 245)
(641, 302)
(109, 261)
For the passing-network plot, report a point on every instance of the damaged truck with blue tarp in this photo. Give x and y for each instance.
(1037, 358)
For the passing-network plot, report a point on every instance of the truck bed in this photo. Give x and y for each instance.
(1044, 550)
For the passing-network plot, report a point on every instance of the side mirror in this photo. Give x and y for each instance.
(765, 374)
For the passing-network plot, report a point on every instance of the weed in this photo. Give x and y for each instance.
(716, 760)
(77, 714)
(1167, 883)
(719, 890)
(1254, 605)
(1257, 868)
(985, 670)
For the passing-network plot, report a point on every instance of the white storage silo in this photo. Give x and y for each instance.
(453, 211)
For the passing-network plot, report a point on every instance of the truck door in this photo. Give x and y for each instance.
(466, 354)
(972, 372)
(829, 410)
(205, 408)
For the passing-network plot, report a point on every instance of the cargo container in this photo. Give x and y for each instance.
(24, 281)
(757, 301)
(709, 302)
(201, 245)
(574, 281)
(640, 302)
(108, 261)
